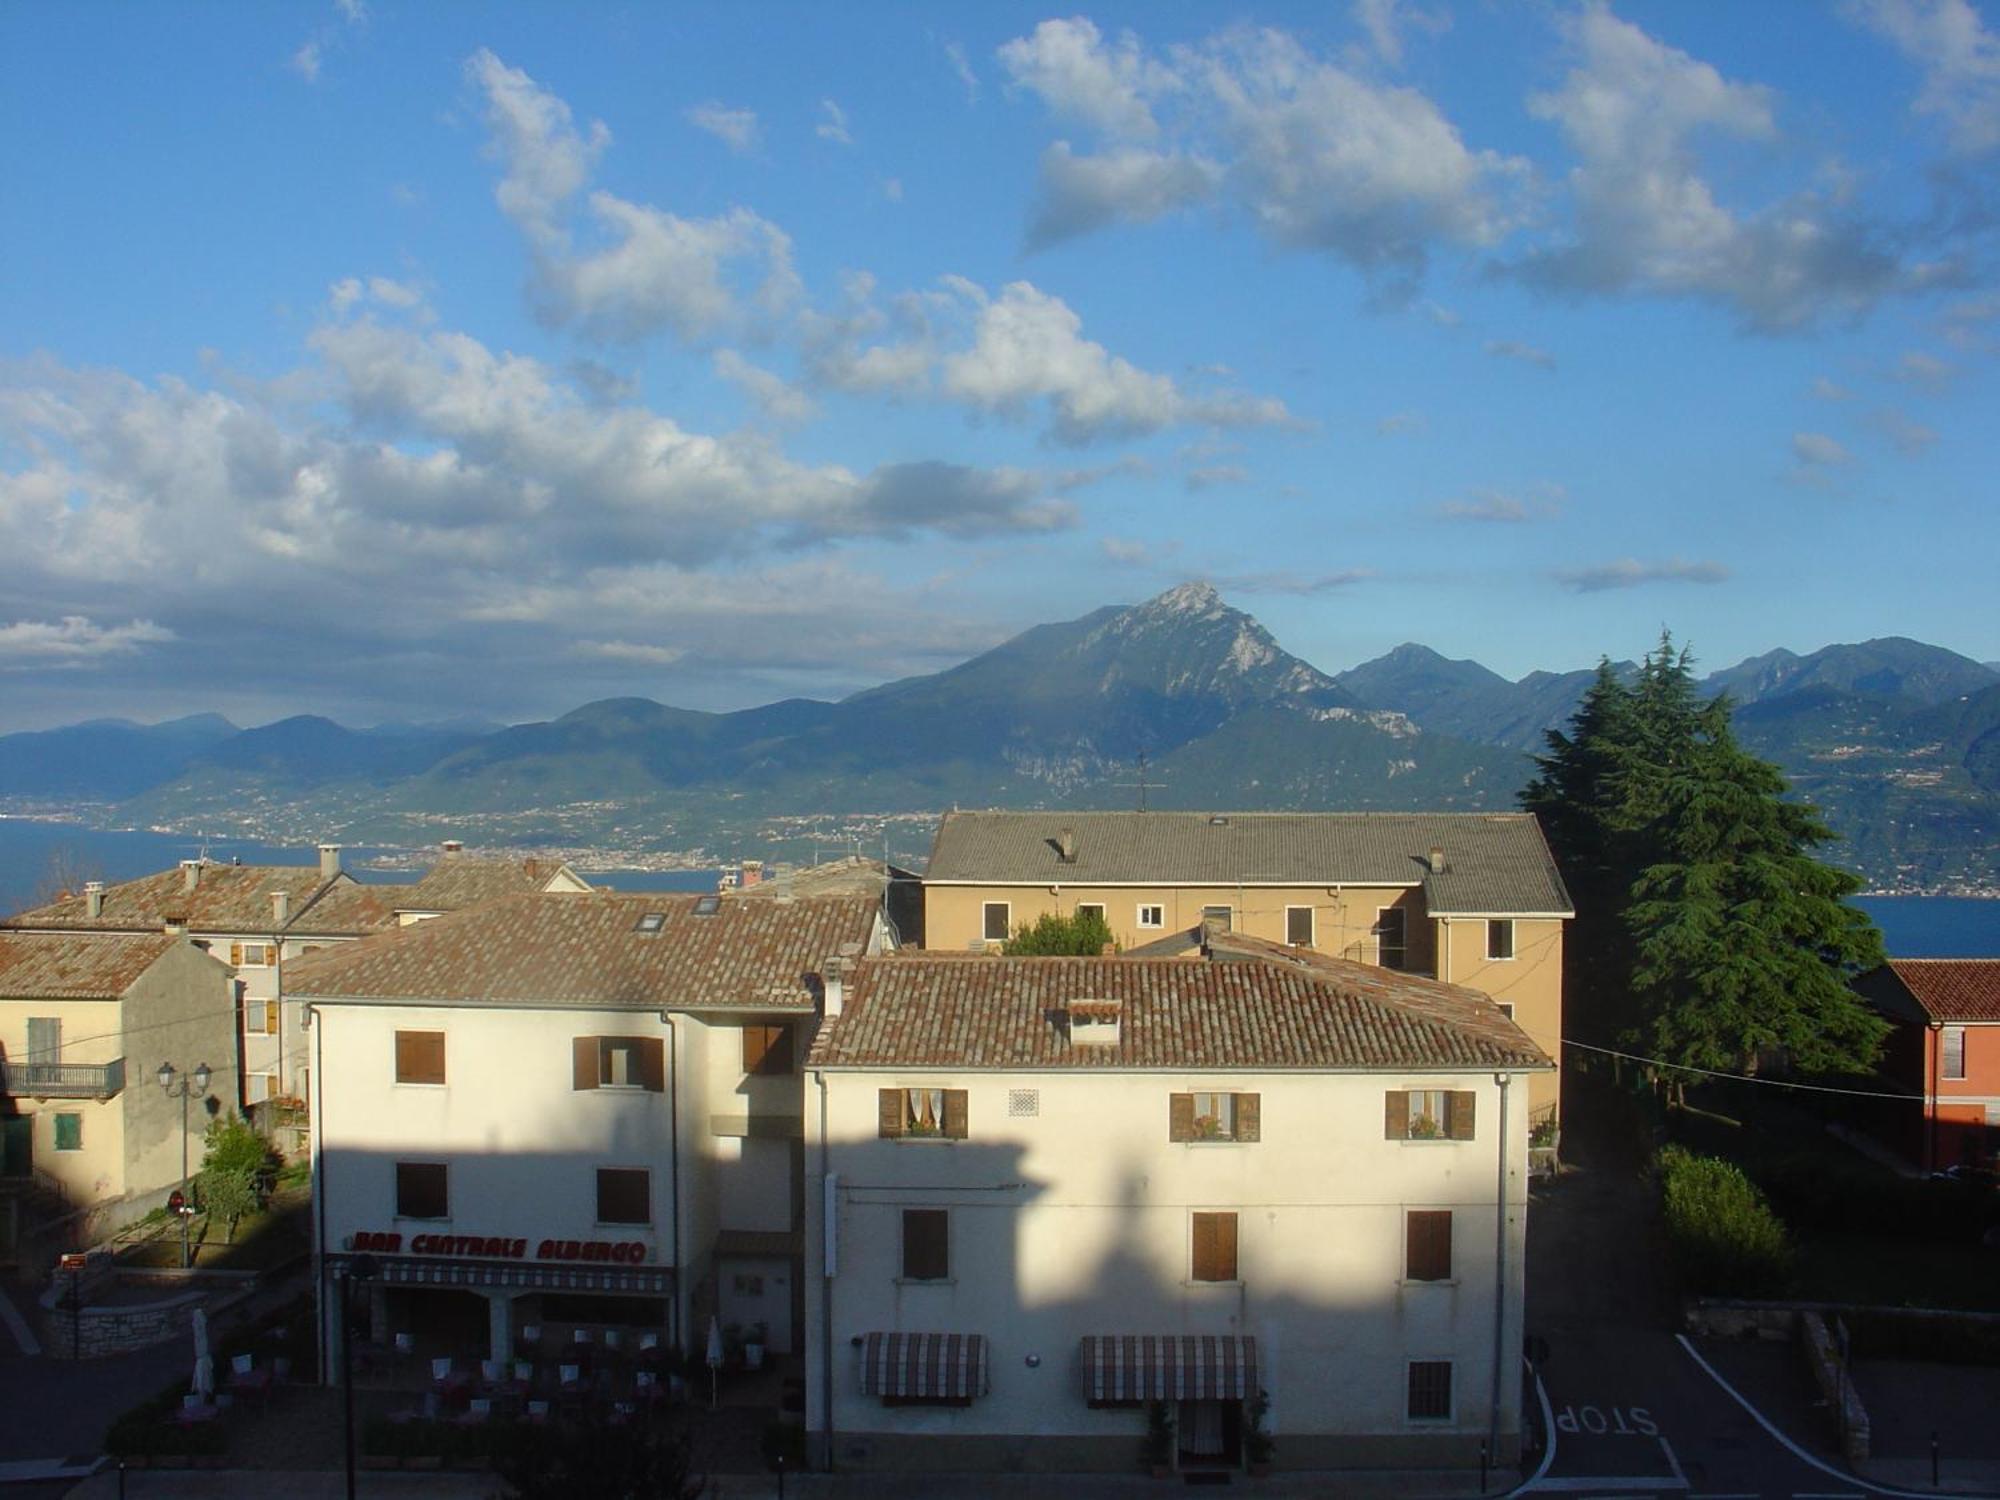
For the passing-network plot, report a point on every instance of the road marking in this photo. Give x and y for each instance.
(23, 1335)
(1786, 1443)
(1548, 1449)
(1593, 1484)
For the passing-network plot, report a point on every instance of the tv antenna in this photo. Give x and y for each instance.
(1142, 785)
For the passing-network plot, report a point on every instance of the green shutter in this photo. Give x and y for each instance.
(69, 1132)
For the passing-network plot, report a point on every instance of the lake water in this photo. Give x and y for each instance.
(1936, 926)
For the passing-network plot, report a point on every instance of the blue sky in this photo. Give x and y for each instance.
(403, 361)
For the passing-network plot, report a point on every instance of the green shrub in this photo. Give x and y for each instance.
(233, 1146)
(1726, 1239)
(1084, 935)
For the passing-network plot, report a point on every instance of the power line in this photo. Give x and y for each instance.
(1773, 1083)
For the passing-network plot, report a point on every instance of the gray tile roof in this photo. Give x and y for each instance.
(564, 949)
(76, 965)
(955, 1011)
(1496, 864)
(461, 880)
(225, 899)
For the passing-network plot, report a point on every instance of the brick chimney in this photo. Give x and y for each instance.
(753, 873)
(329, 861)
(93, 898)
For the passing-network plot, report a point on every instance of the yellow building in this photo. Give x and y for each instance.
(1468, 898)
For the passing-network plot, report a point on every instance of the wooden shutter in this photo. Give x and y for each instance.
(1214, 1247)
(955, 1112)
(1396, 1115)
(652, 1064)
(889, 1109)
(420, 1057)
(583, 1062)
(1180, 1117)
(926, 1244)
(270, 1018)
(1427, 1249)
(235, 955)
(1249, 1117)
(1460, 1110)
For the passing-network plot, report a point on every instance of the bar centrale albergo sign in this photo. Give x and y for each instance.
(491, 1247)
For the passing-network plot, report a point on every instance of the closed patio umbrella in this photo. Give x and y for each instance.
(204, 1362)
(714, 1357)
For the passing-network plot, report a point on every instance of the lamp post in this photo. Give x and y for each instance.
(346, 1272)
(184, 1089)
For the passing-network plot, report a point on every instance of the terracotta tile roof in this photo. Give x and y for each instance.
(225, 899)
(958, 1011)
(563, 949)
(1495, 863)
(461, 880)
(350, 908)
(76, 966)
(1942, 989)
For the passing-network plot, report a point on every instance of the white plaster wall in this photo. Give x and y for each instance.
(1077, 1222)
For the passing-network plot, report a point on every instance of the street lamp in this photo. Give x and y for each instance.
(185, 1089)
(352, 1269)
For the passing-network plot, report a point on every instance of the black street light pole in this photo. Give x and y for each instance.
(186, 1089)
(350, 1270)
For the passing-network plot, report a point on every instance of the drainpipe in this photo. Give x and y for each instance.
(674, 1145)
(1936, 1039)
(826, 1228)
(1499, 1273)
(319, 1199)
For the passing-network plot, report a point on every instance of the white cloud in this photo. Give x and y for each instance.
(354, 12)
(638, 652)
(735, 128)
(1647, 220)
(1078, 194)
(306, 61)
(1301, 585)
(73, 641)
(1496, 507)
(1527, 354)
(1817, 450)
(1028, 347)
(1628, 573)
(1212, 476)
(1909, 438)
(961, 65)
(1960, 58)
(1134, 552)
(833, 124)
(1081, 76)
(1400, 422)
(1824, 389)
(892, 189)
(1384, 21)
(1926, 370)
(776, 397)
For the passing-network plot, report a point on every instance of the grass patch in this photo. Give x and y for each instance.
(263, 1240)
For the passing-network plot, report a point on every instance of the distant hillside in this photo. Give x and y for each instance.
(107, 760)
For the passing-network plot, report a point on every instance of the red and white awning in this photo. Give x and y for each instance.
(1169, 1367)
(949, 1366)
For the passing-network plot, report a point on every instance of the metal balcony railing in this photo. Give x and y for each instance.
(40, 1080)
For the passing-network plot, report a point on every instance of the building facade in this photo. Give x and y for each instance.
(1049, 1192)
(1945, 1050)
(1467, 898)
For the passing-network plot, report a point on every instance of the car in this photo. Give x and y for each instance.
(1972, 1176)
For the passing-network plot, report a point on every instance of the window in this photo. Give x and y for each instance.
(1506, 1008)
(69, 1132)
(1430, 1390)
(922, 1114)
(1299, 926)
(1391, 937)
(270, 1018)
(1427, 1245)
(1214, 1117)
(1092, 909)
(420, 1190)
(1500, 937)
(250, 955)
(1217, 916)
(1152, 916)
(45, 1039)
(994, 919)
(926, 1244)
(767, 1050)
(618, 1062)
(1428, 1115)
(420, 1057)
(1214, 1246)
(650, 922)
(624, 1195)
(1953, 1044)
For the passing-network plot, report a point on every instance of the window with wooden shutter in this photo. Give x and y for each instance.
(1214, 1247)
(1180, 1117)
(583, 1062)
(1396, 1115)
(270, 1018)
(1459, 1114)
(422, 1190)
(922, 1114)
(1214, 1117)
(420, 1057)
(1427, 1245)
(1500, 937)
(889, 1113)
(618, 1062)
(956, 1121)
(1952, 1041)
(624, 1195)
(767, 1050)
(926, 1244)
(1391, 937)
(1299, 926)
(1249, 1117)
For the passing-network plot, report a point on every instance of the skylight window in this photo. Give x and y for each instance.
(708, 906)
(652, 921)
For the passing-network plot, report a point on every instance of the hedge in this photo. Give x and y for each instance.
(1726, 1240)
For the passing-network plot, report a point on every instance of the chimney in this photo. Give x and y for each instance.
(1437, 860)
(281, 907)
(1066, 846)
(452, 847)
(833, 986)
(190, 874)
(329, 861)
(753, 873)
(93, 898)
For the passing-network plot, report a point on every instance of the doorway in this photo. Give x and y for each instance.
(1211, 1434)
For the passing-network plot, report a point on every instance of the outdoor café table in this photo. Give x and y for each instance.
(253, 1381)
(194, 1416)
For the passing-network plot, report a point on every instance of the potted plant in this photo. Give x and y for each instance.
(753, 1346)
(1257, 1441)
(1159, 1446)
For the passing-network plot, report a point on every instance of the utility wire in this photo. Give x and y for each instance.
(1774, 1083)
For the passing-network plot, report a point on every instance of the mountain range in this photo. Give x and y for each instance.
(1182, 701)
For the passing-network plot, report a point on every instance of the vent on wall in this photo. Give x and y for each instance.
(1024, 1103)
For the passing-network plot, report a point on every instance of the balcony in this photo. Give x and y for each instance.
(38, 1080)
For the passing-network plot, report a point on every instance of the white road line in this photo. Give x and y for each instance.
(1591, 1484)
(16, 1325)
(1786, 1443)
(1548, 1448)
(1675, 1464)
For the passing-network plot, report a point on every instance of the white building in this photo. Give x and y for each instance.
(1047, 1191)
(572, 1110)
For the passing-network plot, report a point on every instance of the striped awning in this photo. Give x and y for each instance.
(1169, 1367)
(951, 1366)
(416, 1270)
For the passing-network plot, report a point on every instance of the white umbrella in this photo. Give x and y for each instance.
(204, 1362)
(714, 1357)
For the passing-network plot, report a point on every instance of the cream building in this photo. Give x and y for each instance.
(86, 1020)
(1046, 1192)
(1467, 898)
(571, 1111)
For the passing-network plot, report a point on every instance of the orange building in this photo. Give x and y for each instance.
(1946, 1048)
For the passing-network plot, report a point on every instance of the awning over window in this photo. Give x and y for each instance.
(1169, 1367)
(948, 1365)
(651, 1281)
